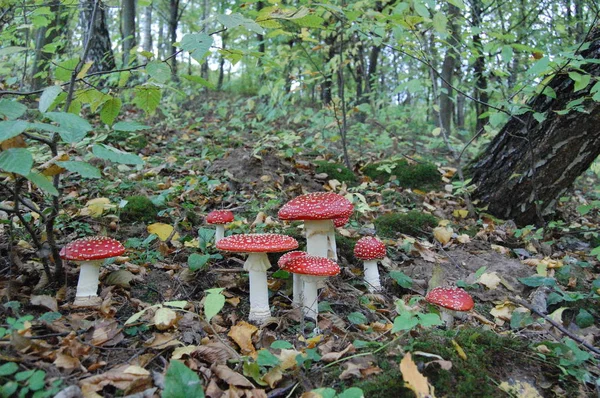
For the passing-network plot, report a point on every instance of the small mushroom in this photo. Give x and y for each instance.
(370, 249)
(454, 299)
(311, 269)
(257, 246)
(219, 218)
(90, 252)
(297, 282)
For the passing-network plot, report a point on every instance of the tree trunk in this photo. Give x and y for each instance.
(173, 22)
(128, 28)
(448, 68)
(147, 28)
(100, 49)
(529, 165)
(478, 71)
(46, 35)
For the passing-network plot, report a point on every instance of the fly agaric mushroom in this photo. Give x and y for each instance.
(219, 218)
(311, 269)
(90, 252)
(318, 210)
(370, 249)
(297, 282)
(452, 298)
(337, 223)
(257, 246)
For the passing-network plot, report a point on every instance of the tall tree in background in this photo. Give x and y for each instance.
(449, 66)
(128, 28)
(174, 16)
(481, 83)
(147, 29)
(93, 19)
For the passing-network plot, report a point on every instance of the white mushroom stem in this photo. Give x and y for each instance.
(331, 245)
(87, 285)
(317, 236)
(310, 304)
(219, 232)
(257, 265)
(372, 276)
(297, 288)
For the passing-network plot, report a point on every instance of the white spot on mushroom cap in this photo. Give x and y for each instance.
(219, 217)
(369, 248)
(92, 248)
(453, 298)
(312, 265)
(316, 206)
(257, 243)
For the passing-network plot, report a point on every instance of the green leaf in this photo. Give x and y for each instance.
(213, 303)
(64, 69)
(584, 319)
(84, 169)
(429, 320)
(197, 261)
(177, 304)
(181, 382)
(115, 155)
(16, 160)
(539, 67)
(8, 368)
(581, 81)
(129, 126)
(36, 381)
(439, 23)
(197, 44)
(199, 80)
(405, 321)
(357, 318)
(479, 272)
(324, 392)
(402, 279)
(42, 182)
(12, 128)
(110, 110)
(252, 369)
(310, 21)
(266, 358)
(282, 344)
(72, 128)
(421, 9)
(11, 50)
(48, 96)
(11, 109)
(507, 54)
(458, 3)
(8, 389)
(535, 281)
(352, 392)
(159, 71)
(234, 20)
(147, 97)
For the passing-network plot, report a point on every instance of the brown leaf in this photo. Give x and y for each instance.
(334, 356)
(45, 301)
(162, 340)
(119, 278)
(413, 379)
(273, 376)
(230, 377)
(242, 335)
(66, 362)
(212, 353)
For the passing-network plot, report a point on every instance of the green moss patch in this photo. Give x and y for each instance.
(139, 208)
(336, 171)
(414, 223)
(420, 175)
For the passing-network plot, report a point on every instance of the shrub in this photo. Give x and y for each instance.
(412, 223)
(336, 171)
(138, 208)
(420, 175)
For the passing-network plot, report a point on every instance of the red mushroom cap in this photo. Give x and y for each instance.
(316, 206)
(219, 217)
(312, 265)
(453, 298)
(92, 248)
(369, 248)
(283, 260)
(340, 222)
(257, 243)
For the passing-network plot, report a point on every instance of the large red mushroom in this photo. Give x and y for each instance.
(90, 252)
(454, 299)
(257, 246)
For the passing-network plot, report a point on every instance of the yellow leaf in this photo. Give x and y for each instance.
(162, 230)
(459, 350)
(164, 318)
(556, 316)
(463, 238)
(242, 333)
(179, 352)
(521, 389)
(491, 280)
(460, 213)
(503, 312)
(500, 249)
(84, 69)
(95, 207)
(192, 243)
(443, 234)
(413, 379)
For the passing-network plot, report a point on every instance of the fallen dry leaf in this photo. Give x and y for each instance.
(230, 377)
(164, 318)
(521, 389)
(491, 280)
(443, 234)
(162, 230)
(413, 379)
(242, 333)
(45, 301)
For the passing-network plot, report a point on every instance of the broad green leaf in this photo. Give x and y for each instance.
(539, 67)
(234, 20)
(177, 304)
(352, 392)
(310, 21)
(421, 9)
(324, 392)
(402, 279)
(8, 368)
(11, 109)
(37, 380)
(181, 382)
(458, 3)
(11, 50)
(110, 110)
(404, 321)
(48, 96)
(159, 71)
(213, 303)
(507, 54)
(73, 128)
(129, 126)
(84, 169)
(535, 281)
(147, 97)
(266, 358)
(64, 69)
(282, 344)
(197, 44)
(429, 320)
(93, 97)
(115, 155)
(200, 80)
(584, 319)
(12, 128)
(357, 318)
(233, 56)
(581, 81)
(439, 23)
(197, 261)
(43, 183)
(16, 160)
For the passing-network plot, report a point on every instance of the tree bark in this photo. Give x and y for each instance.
(478, 71)
(448, 70)
(128, 28)
(530, 164)
(100, 52)
(173, 22)
(147, 29)
(46, 35)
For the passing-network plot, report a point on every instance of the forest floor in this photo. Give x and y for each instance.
(536, 291)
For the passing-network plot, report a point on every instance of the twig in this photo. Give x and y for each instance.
(557, 325)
